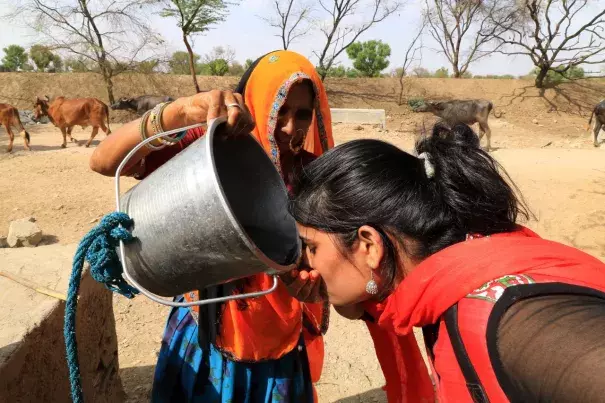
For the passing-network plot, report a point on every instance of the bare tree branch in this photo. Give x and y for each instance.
(555, 34)
(112, 35)
(461, 29)
(292, 20)
(413, 54)
(339, 34)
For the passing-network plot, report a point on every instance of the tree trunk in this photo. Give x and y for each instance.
(109, 87)
(191, 64)
(541, 77)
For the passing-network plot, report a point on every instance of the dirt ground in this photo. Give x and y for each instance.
(560, 173)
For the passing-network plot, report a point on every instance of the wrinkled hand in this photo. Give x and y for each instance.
(206, 106)
(305, 285)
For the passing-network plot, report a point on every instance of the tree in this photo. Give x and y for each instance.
(557, 35)
(443, 72)
(193, 18)
(463, 31)
(413, 54)
(43, 57)
(79, 65)
(148, 66)
(108, 37)
(248, 63)
(179, 63)
(340, 33)
(291, 20)
(216, 63)
(15, 58)
(369, 58)
(554, 78)
(236, 69)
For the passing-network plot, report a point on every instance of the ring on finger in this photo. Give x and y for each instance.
(233, 105)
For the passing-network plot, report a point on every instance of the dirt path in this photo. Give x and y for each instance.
(564, 185)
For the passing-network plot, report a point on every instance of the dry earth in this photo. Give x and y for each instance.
(559, 172)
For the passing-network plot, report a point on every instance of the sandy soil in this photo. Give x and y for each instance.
(561, 175)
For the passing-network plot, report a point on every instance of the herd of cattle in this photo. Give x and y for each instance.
(66, 113)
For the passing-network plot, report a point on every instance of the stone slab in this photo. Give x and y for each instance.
(359, 116)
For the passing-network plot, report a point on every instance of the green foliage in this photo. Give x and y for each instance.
(179, 62)
(554, 77)
(248, 63)
(443, 72)
(217, 67)
(77, 65)
(236, 70)
(196, 16)
(147, 66)
(415, 102)
(15, 58)
(369, 58)
(467, 74)
(340, 72)
(43, 57)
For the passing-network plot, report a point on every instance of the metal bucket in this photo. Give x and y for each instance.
(214, 213)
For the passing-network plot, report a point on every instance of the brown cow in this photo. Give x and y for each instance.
(67, 113)
(9, 116)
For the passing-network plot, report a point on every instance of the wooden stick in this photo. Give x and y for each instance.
(32, 286)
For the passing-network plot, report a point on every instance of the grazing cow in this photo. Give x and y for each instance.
(141, 104)
(468, 112)
(67, 113)
(9, 117)
(599, 113)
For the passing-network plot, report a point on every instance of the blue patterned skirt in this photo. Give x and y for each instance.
(187, 373)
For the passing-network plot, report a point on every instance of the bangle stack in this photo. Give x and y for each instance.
(156, 126)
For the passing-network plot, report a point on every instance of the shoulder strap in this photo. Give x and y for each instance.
(473, 383)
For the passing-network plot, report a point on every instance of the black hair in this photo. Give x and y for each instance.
(370, 182)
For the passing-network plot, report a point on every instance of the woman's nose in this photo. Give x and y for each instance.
(289, 125)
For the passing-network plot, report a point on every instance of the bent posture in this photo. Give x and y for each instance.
(432, 241)
(66, 113)
(141, 104)
(9, 117)
(599, 114)
(467, 112)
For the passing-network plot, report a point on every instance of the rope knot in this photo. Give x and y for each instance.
(105, 266)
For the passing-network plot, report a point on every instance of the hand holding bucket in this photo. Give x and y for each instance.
(214, 213)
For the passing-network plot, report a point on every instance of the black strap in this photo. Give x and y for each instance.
(473, 383)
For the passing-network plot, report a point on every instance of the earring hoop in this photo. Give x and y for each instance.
(296, 150)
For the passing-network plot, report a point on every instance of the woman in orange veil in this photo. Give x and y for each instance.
(267, 349)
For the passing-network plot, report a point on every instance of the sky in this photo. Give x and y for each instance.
(249, 36)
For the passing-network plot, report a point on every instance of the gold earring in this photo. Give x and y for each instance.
(296, 150)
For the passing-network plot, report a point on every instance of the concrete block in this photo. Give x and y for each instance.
(359, 116)
(32, 350)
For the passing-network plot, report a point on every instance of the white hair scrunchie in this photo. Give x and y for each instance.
(429, 168)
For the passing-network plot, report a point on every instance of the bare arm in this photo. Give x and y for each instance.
(183, 112)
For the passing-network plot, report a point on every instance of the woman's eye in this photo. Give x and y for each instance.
(304, 114)
(283, 110)
(311, 249)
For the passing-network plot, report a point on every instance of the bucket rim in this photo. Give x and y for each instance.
(213, 125)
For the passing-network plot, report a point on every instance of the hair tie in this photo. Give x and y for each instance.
(429, 168)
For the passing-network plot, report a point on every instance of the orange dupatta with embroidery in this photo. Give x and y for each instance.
(269, 327)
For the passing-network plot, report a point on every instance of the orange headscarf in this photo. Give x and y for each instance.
(269, 327)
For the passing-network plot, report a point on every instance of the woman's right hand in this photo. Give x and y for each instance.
(206, 106)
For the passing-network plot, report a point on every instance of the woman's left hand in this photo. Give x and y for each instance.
(305, 285)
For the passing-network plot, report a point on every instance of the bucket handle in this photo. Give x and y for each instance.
(212, 125)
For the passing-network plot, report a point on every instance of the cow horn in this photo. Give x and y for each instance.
(47, 98)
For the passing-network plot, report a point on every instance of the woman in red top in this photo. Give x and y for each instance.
(432, 241)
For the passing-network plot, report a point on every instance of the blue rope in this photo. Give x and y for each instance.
(98, 247)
